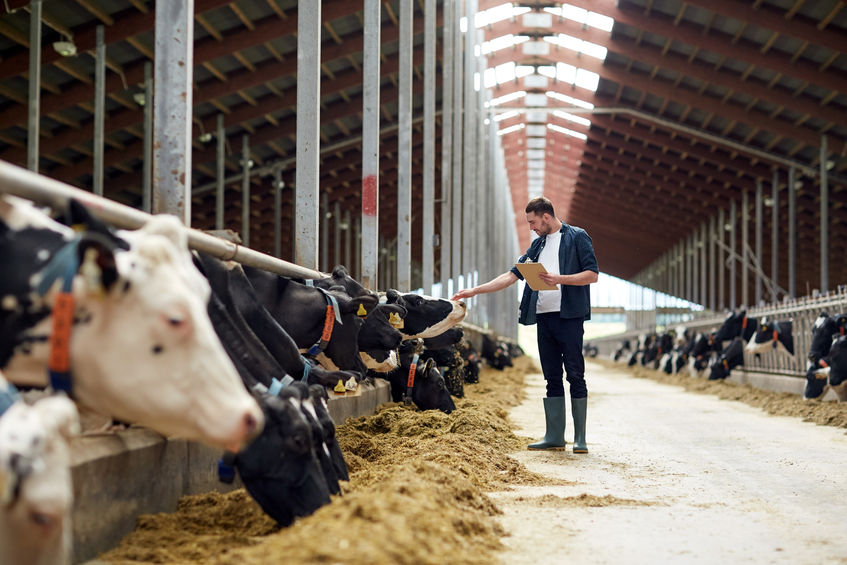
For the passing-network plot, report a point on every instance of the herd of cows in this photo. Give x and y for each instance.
(681, 349)
(136, 327)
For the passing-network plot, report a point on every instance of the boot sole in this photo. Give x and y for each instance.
(557, 448)
(580, 451)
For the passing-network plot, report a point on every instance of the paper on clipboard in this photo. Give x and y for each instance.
(530, 272)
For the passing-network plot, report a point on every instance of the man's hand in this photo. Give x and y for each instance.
(551, 278)
(466, 293)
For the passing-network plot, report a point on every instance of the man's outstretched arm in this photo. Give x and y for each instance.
(505, 280)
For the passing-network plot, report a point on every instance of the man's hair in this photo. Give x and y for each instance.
(540, 206)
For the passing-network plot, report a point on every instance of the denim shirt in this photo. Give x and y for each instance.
(576, 254)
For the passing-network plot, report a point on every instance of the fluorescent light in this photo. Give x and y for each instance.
(511, 129)
(569, 100)
(567, 131)
(507, 98)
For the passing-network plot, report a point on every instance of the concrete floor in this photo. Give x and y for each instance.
(719, 482)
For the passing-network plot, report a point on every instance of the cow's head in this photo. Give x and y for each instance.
(430, 391)
(732, 356)
(280, 469)
(771, 335)
(35, 461)
(837, 361)
(816, 380)
(142, 348)
(427, 316)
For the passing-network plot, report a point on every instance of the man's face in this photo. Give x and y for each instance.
(542, 225)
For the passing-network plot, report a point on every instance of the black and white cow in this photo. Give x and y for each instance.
(419, 378)
(622, 351)
(36, 491)
(772, 336)
(496, 353)
(731, 357)
(426, 316)
(736, 324)
(132, 308)
(319, 399)
(837, 360)
(825, 328)
(700, 351)
(444, 350)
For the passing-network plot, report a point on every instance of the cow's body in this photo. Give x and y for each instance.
(429, 391)
(36, 493)
(142, 348)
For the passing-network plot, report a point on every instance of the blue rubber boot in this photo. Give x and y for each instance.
(554, 413)
(579, 407)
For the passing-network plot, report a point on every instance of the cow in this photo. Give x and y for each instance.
(700, 350)
(319, 399)
(772, 335)
(817, 369)
(622, 351)
(427, 316)
(303, 311)
(135, 342)
(418, 382)
(495, 353)
(837, 361)
(36, 491)
(280, 469)
(379, 337)
(736, 324)
(471, 361)
(444, 351)
(731, 357)
(307, 407)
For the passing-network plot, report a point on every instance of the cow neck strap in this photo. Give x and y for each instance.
(8, 397)
(63, 266)
(410, 381)
(307, 368)
(332, 315)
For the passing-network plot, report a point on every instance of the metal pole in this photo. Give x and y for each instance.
(308, 131)
(445, 244)
(775, 236)
(792, 234)
(759, 258)
(732, 256)
(245, 190)
(99, 108)
(682, 267)
(336, 232)
(745, 243)
(703, 262)
(721, 263)
(404, 148)
(221, 174)
(370, 146)
(469, 147)
(348, 240)
(147, 172)
(428, 211)
(355, 269)
(34, 117)
(172, 110)
(824, 218)
(458, 102)
(324, 225)
(278, 186)
(712, 282)
(694, 285)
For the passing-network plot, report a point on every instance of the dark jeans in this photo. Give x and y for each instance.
(560, 345)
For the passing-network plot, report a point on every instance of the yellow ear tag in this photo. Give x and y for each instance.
(361, 311)
(339, 388)
(395, 320)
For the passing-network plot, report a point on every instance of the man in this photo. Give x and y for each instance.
(568, 257)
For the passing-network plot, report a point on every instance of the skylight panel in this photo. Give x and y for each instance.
(503, 42)
(507, 115)
(493, 15)
(567, 131)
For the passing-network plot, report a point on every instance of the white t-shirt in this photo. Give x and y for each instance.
(550, 300)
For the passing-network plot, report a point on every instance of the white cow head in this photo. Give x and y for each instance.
(143, 349)
(35, 469)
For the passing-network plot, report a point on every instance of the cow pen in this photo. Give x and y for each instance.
(285, 371)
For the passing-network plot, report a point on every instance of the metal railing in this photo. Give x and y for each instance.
(802, 311)
(43, 190)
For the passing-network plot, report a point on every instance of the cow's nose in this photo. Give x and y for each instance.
(462, 304)
(251, 425)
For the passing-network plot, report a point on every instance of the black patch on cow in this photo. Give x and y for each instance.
(157, 349)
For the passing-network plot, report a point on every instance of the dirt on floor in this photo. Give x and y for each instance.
(774, 403)
(417, 494)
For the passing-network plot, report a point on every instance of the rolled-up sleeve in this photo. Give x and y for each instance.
(515, 270)
(585, 252)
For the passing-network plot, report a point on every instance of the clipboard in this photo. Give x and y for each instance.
(530, 272)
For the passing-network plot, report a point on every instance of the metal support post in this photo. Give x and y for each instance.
(308, 131)
(336, 235)
(245, 190)
(712, 282)
(721, 263)
(703, 260)
(458, 104)
(775, 236)
(348, 240)
(695, 264)
(759, 257)
(99, 108)
(792, 234)
(732, 256)
(173, 105)
(428, 212)
(324, 214)
(147, 171)
(404, 148)
(221, 174)
(445, 244)
(745, 244)
(469, 147)
(824, 228)
(278, 186)
(34, 113)
(369, 251)
(356, 269)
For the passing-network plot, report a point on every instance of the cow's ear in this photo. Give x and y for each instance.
(391, 296)
(97, 263)
(339, 272)
(430, 363)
